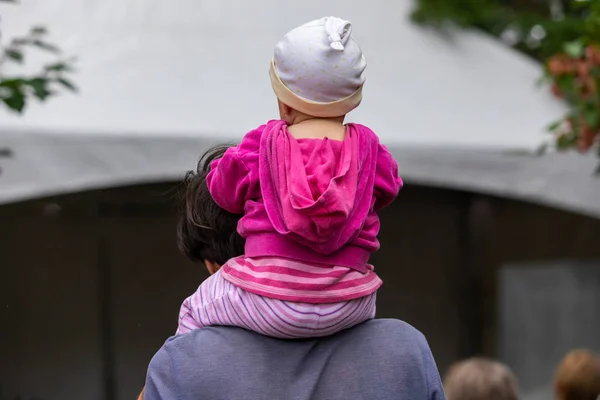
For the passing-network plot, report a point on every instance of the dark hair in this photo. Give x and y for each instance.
(205, 231)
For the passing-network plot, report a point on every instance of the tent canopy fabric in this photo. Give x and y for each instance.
(161, 81)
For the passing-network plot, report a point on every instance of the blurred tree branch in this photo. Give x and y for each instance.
(534, 31)
(47, 81)
(17, 88)
(564, 36)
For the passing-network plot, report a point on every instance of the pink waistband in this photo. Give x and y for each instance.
(275, 245)
(289, 280)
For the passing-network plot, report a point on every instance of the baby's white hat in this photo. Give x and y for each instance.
(318, 68)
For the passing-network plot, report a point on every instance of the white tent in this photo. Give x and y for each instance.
(161, 81)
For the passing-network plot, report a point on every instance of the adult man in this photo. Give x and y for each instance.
(380, 359)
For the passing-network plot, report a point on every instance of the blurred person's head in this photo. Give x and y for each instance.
(206, 233)
(318, 71)
(578, 376)
(480, 379)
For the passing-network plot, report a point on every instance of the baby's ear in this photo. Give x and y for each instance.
(211, 266)
(285, 111)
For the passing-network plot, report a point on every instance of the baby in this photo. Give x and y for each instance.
(309, 188)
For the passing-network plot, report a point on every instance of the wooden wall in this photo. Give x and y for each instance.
(92, 285)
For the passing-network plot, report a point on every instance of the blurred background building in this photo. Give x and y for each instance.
(490, 249)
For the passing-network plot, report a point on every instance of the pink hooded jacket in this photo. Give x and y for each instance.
(310, 200)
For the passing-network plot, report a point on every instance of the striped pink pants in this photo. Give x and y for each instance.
(218, 302)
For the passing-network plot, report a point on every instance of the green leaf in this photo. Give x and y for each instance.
(58, 67)
(566, 141)
(13, 84)
(575, 49)
(579, 4)
(591, 117)
(13, 95)
(68, 84)
(40, 88)
(18, 42)
(38, 30)
(554, 126)
(45, 46)
(15, 102)
(14, 54)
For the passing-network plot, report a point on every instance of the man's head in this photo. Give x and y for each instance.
(480, 379)
(578, 376)
(206, 232)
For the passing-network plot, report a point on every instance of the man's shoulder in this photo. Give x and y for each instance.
(385, 330)
(390, 341)
(392, 327)
(381, 338)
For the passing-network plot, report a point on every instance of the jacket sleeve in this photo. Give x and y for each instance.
(230, 177)
(387, 181)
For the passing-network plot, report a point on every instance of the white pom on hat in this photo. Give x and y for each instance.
(318, 68)
(337, 29)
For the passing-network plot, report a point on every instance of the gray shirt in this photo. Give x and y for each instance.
(378, 360)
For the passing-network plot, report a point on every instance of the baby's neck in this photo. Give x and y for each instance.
(318, 128)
